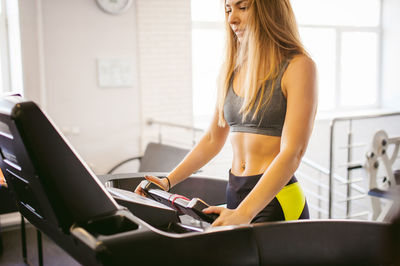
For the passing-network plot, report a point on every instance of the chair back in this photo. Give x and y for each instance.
(160, 157)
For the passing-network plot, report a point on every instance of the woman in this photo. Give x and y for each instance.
(267, 99)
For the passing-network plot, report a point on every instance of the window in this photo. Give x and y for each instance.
(3, 51)
(11, 80)
(342, 36)
(207, 52)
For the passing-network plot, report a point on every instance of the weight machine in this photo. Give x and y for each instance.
(380, 188)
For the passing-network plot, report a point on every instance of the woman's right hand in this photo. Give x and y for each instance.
(162, 182)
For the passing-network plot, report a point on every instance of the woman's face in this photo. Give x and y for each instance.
(237, 11)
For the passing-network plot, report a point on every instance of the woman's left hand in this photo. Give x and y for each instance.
(227, 216)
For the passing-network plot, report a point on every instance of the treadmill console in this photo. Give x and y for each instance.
(163, 210)
(146, 209)
(192, 207)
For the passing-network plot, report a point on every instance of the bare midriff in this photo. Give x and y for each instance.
(253, 153)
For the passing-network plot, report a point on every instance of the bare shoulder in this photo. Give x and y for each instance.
(301, 70)
(301, 63)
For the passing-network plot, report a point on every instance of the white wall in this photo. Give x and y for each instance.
(28, 14)
(164, 34)
(61, 41)
(70, 36)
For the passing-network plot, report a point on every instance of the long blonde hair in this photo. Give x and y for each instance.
(271, 36)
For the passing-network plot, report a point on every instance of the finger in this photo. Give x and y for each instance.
(152, 179)
(213, 209)
(157, 181)
(139, 191)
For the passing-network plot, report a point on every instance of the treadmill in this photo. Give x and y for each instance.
(100, 221)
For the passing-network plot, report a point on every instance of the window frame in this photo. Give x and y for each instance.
(201, 120)
(339, 31)
(4, 50)
(12, 82)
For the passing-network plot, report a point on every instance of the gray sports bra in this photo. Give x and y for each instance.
(270, 117)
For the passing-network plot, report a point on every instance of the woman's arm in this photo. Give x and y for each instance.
(206, 149)
(299, 83)
(209, 145)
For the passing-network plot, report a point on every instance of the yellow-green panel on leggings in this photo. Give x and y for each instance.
(292, 201)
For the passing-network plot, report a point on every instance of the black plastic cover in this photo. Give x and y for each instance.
(40, 162)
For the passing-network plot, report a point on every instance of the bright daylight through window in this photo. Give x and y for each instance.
(337, 34)
(10, 48)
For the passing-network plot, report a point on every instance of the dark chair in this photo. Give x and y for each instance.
(157, 157)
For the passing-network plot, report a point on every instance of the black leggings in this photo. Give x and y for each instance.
(288, 204)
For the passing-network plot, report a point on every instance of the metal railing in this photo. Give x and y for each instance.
(322, 171)
(327, 172)
(174, 125)
(350, 164)
(333, 176)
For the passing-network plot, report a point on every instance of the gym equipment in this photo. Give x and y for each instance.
(59, 195)
(180, 203)
(7, 205)
(380, 191)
